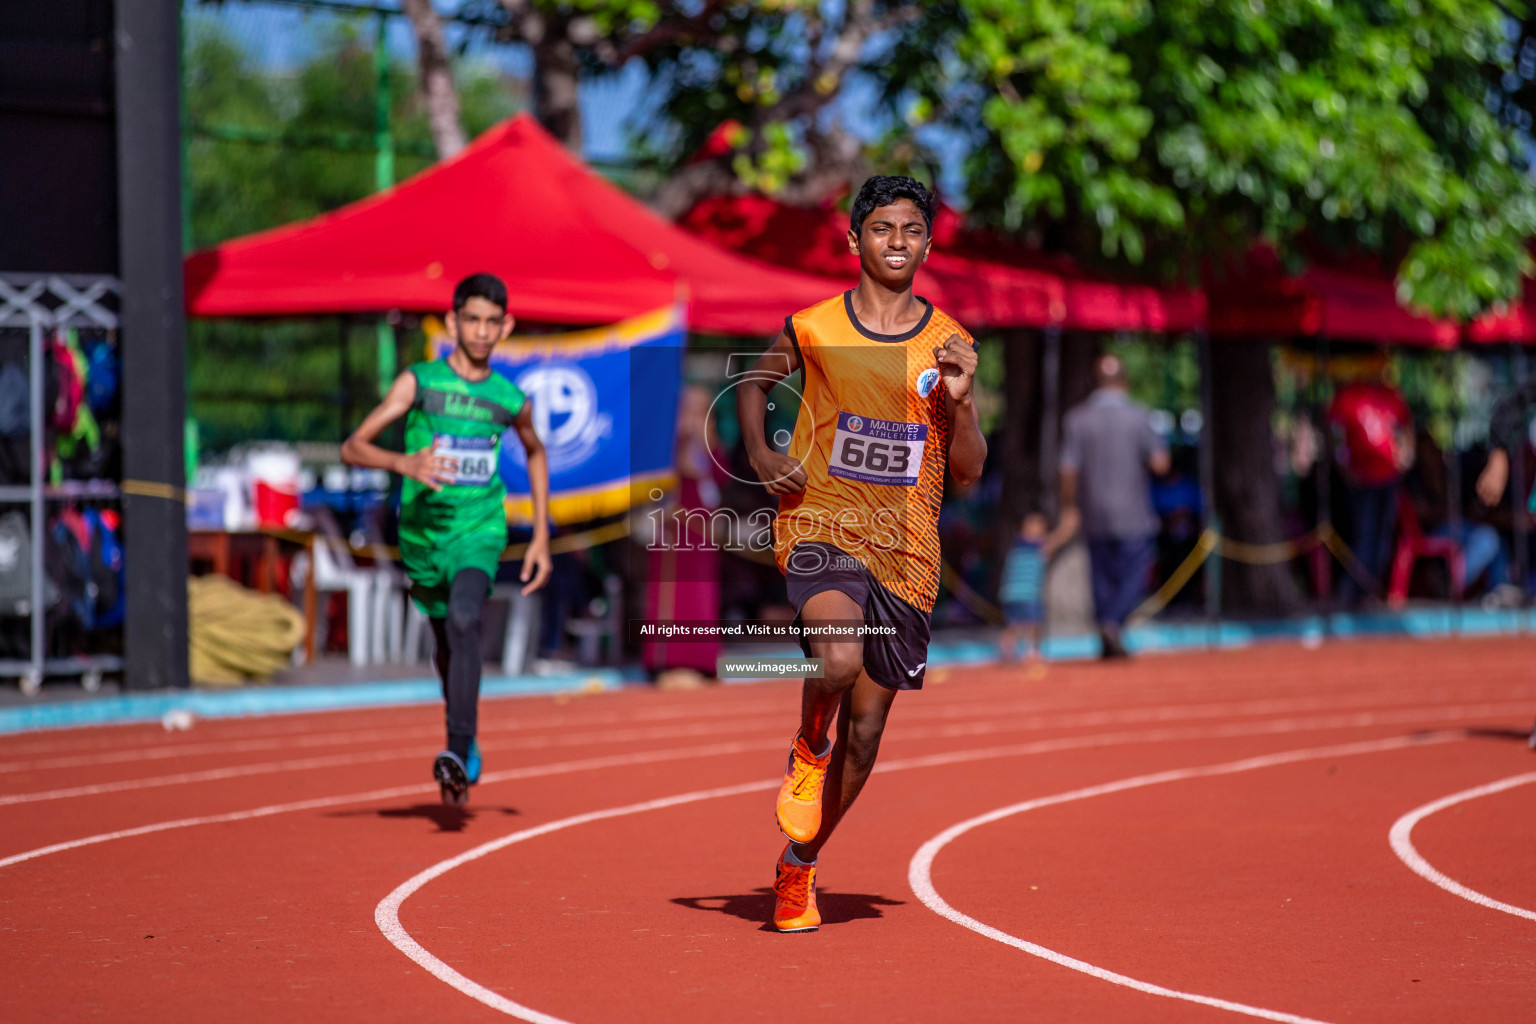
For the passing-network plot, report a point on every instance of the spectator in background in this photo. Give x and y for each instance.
(1373, 438)
(1482, 549)
(1506, 431)
(684, 577)
(1508, 434)
(1023, 586)
(1109, 454)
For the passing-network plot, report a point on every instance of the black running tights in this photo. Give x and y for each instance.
(459, 656)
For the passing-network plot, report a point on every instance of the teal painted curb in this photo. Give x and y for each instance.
(1424, 623)
(280, 700)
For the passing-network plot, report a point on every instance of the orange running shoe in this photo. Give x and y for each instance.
(794, 891)
(799, 806)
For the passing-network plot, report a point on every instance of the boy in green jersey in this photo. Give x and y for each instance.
(453, 524)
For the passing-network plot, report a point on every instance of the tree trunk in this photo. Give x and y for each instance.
(555, 79)
(1247, 489)
(437, 89)
(1079, 349)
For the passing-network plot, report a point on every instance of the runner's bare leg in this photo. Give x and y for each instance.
(860, 724)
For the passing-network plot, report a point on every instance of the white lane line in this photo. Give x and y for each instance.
(340, 761)
(651, 757)
(1358, 719)
(1401, 837)
(920, 870)
(212, 774)
(956, 705)
(304, 725)
(387, 914)
(1345, 720)
(168, 750)
(490, 778)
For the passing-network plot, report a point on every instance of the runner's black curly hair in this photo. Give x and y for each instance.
(885, 189)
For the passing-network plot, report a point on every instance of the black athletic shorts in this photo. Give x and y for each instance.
(897, 662)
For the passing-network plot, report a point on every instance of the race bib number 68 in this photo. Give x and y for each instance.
(877, 451)
(474, 458)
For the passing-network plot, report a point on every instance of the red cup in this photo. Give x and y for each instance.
(276, 507)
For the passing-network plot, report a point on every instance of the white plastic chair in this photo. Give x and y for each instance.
(374, 627)
(387, 609)
(522, 628)
(335, 572)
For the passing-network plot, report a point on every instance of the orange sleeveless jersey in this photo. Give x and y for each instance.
(873, 436)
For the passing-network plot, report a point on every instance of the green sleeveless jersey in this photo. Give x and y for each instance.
(465, 421)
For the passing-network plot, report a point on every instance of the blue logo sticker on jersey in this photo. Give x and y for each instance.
(926, 380)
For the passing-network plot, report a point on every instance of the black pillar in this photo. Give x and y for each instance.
(148, 72)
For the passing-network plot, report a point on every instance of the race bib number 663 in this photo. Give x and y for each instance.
(877, 451)
(474, 458)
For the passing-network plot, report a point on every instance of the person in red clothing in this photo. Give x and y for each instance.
(1373, 435)
(684, 578)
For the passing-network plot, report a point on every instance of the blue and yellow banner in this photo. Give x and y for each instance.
(604, 404)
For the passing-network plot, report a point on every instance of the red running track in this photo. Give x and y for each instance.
(1184, 838)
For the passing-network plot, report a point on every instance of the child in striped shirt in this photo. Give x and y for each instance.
(1023, 586)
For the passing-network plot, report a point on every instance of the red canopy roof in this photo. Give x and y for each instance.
(976, 292)
(982, 282)
(1517, 323)
(1257, 298)
(572, 247)
(1092, 304)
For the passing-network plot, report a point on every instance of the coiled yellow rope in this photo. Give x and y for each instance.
(237, 635)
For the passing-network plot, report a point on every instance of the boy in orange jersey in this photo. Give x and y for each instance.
(887, 402)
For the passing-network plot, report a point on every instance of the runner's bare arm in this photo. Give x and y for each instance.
(779, 473)
(956, 360)
(536, 564)
(359, 449)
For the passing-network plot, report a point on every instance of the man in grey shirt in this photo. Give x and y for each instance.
(1109, 451)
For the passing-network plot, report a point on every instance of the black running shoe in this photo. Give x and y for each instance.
(452, 777)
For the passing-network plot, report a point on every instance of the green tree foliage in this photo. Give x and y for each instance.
(1187, 127)
(321, 114)
(295, 379)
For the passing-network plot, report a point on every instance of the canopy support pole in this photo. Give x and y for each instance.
(1452, 460)
(1517, 482)
(383, 177)
(389, 360)
(1208, 478)
(1324, 469)
(384, 142)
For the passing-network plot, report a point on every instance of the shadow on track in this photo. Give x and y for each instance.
(447, 819)
(757, 906)
(1489, 733)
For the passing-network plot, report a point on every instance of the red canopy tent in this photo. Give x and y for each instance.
(982, 282)
(976, 292)
(1092, 303)
(1515, 325)
(572, 247)
(1258, 298)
